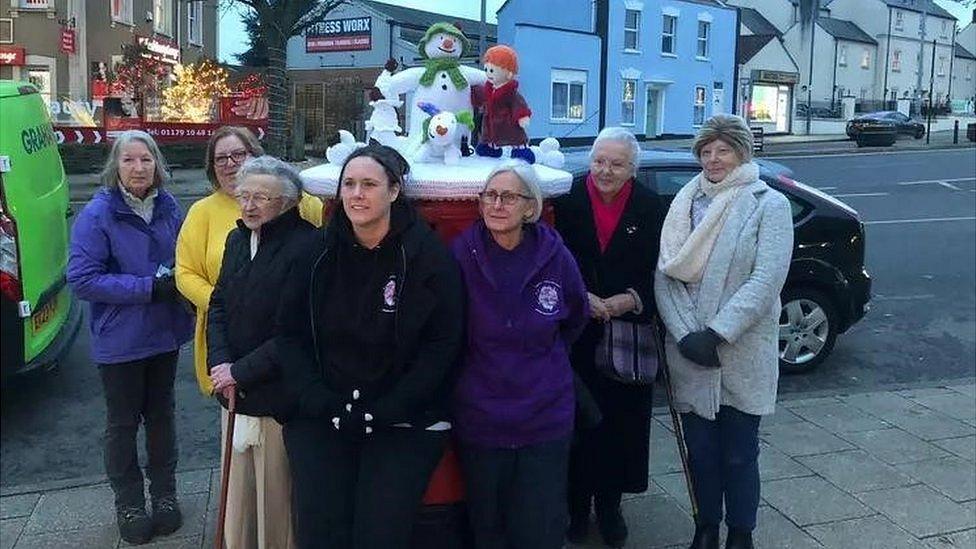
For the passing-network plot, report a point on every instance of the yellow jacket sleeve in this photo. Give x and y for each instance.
(191, 257)
(310, 208)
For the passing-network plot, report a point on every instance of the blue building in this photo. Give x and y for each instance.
(659, 67)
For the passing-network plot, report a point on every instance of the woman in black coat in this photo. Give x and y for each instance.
(242, 349)
(372, 331)
(612, 225)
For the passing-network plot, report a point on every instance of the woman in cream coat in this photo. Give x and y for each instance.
(725, 253)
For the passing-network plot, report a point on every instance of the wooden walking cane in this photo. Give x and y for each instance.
(225, 470)
(679, 435)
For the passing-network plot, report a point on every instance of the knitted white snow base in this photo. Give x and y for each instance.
(436, 181)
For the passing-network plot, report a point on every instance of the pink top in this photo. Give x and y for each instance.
(607, 216)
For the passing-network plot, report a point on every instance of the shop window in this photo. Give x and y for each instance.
(866, 59)
(628, 100)
(698, 114)
(842, 55)
(122, 11)
(163, 17)
(40, 77)
(896, 61)
(36, 4)
(568, 97)
(899, 20)
(194, 13)
(668, 30)
(632, 23)
(704, 30)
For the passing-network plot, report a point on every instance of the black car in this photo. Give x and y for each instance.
(828, 288)
(902, 124)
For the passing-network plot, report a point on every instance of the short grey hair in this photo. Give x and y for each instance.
(110, 172)
(530, 182)
(284, 173)
(620, 135)
(728, 128)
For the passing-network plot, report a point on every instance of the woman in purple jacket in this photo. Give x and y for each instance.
(121, 260)
(514, 403)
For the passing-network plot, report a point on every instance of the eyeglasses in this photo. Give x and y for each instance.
(609, 165)
(258, 198)
(507, 198)
(236, 156)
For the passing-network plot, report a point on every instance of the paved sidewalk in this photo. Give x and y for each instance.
(891, 470)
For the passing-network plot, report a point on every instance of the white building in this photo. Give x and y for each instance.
(767, 74)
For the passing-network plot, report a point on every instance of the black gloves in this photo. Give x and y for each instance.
(353, 422)
(164, 289)
(700, 348)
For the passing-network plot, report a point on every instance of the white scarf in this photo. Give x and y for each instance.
(685, 252)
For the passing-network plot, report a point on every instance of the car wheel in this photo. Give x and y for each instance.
(919, 133)
(807, 330)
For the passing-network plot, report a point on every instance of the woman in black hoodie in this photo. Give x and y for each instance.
(371, 337)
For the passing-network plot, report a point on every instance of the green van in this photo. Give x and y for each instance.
(39, 317)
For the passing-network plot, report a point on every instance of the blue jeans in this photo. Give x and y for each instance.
(723, 457)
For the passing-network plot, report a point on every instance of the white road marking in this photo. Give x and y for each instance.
(949, 186)
(881, 297)
(937, 181)
(857, 195)
(825, 189)
(925, 220)
(879, 153)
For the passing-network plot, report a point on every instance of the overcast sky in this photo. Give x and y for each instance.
(233, 39)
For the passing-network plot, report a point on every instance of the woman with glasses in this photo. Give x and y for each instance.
(514, 403)
(612, 225)
(241, 347)
(200, 247)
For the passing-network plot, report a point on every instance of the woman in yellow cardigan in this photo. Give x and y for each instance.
(200, 246)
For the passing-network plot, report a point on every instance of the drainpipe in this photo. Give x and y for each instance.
(833, 89)
(884, 96)
(735, 65)
(603, 31)
(952, 60)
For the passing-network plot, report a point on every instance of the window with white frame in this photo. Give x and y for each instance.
(632, 24)
(842, 55)
(941, 71)
(896, 61)
(969, 71)
(6, 31)
(704, 30)
(194, 15)
(568, 97)
(699, 108)
(899, 20)
(945, 29)
(40, 76)
(122, 11)
(865, 58)
(36, 4)
(669, 28)
(627, 102)
(163, 17)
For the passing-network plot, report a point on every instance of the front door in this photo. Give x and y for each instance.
(653, 103)
(783, 109)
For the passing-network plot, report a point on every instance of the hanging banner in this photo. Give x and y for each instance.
(352, 34)
(68, 36)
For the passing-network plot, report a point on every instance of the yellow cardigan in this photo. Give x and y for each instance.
(199, 253)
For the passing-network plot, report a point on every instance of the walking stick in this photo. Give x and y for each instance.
(679, 435)
(225, 470)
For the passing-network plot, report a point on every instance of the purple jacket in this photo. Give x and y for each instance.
(112, 261)
(516, 383)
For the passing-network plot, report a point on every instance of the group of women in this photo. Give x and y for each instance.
(355, 352)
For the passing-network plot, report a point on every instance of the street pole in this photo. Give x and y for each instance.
(928, 130)
(921, 46)
(814, 6)
(483, 31)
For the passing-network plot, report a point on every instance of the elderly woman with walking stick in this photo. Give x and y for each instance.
(725, 252)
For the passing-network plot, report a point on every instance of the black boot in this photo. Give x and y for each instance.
(166, 517)
(135, 526)
(610, 520)
(706, 537)
(738, 539)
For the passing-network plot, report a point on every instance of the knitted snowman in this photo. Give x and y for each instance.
(441, 81)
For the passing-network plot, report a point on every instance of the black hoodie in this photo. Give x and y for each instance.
(387, 321)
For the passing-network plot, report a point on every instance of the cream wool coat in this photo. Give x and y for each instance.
(739, 300)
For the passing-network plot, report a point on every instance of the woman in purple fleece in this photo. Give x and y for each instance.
(514, 402)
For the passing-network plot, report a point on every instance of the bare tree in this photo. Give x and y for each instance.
(276, 21)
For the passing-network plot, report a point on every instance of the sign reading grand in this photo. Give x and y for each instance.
(350, 34)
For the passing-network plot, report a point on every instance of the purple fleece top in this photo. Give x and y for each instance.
(516, 383)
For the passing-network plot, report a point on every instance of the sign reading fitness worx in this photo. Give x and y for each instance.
(350, 34)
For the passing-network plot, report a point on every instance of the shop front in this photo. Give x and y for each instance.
(770, 100)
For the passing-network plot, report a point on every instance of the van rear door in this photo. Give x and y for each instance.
(35, 199)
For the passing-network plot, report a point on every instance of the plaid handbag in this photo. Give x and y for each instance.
(629, 352)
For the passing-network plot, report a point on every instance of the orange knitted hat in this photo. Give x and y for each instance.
(504, 57)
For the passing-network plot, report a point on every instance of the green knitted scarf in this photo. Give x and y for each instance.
(449, 64)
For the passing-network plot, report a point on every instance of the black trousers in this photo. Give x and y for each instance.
(137, 392)
(351, 495)
(517, 497)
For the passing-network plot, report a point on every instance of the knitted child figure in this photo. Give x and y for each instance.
(506, 114)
